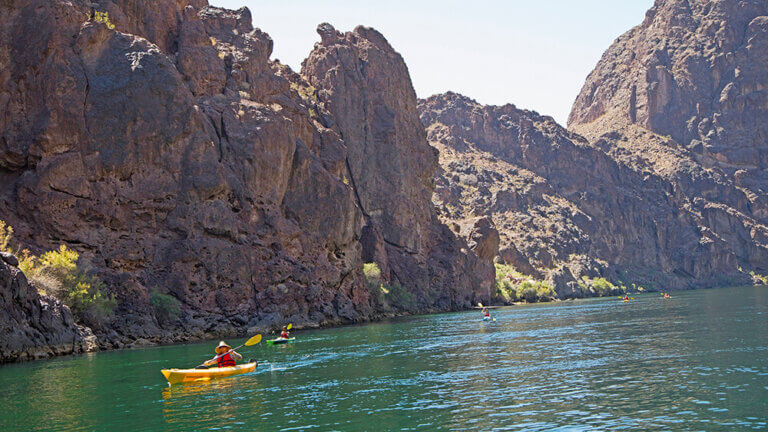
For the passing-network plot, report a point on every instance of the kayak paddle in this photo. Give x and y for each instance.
(250, 342)
(289, 326)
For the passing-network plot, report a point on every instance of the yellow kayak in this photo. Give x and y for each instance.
(175, 376)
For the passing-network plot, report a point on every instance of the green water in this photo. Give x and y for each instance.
(698, 361)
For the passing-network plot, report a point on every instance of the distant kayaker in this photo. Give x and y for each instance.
(666, 295)
(486, 313)
(626, 297)
(284, 334)
(225, 356)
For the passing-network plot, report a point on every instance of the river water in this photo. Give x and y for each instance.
(698, 361)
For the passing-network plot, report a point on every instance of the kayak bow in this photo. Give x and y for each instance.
(176, 376)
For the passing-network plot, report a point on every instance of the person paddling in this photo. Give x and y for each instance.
(225, 356)
(626, 297)
(284, 334)
(666, 295)
(486, 313)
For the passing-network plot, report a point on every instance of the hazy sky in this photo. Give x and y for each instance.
(534, 54)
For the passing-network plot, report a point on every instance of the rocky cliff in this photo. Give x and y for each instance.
(566, 208)
(696, 72)
(35, 326)
(683, 95)
(164, 145)
(668, 185)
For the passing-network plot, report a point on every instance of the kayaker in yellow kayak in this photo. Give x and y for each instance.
(225, 356)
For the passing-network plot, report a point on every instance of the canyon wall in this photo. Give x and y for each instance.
(166, 148)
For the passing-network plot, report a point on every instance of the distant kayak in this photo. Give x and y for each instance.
(176, 376)
(489, 319)
(280, 341)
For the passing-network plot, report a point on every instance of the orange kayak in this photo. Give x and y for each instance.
(176, 376)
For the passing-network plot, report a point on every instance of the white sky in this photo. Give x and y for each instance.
(535, 54)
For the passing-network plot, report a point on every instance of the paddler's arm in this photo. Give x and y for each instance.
(235, 355)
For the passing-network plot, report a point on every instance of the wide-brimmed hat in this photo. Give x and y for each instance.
(221, 345)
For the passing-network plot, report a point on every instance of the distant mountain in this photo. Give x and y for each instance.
(667, 187)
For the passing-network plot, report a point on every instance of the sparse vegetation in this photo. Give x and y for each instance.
(601, 287)
(57, 273)
(6, 233)
(512, 286)
(166, 307)
(762, 278)
(391, 293)
(536, 291)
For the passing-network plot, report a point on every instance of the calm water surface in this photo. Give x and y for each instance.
(698, 361)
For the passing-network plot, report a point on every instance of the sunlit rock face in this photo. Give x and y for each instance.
(566, 208)
(696, 72)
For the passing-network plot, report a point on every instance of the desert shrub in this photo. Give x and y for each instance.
(166, 307)
(86, 298)
(6, 234)
(396, 295)
(372, 272)
(763, 279)
(534, 291)
(505, 286)
(57, 273)
(391, 293)
(374, 282)
(602, 287)
(527, 292)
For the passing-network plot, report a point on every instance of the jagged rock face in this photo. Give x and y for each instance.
(683, 95)
(172, 154)
(365, 85)
(212, 183)
(566, 209)
(35, 326)
(695, 71)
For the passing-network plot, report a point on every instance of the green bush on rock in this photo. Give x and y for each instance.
(57, 273)
(391, 293)
(512, 286)
(166, 307)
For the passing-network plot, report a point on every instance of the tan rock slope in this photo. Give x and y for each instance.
(172, 154)
(566, 209)
(685, 95)
(668, 188)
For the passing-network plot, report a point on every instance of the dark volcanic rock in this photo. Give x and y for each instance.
(172, 154)
(365, 85)
(35, 326)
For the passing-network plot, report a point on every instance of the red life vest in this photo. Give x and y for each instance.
(284, 335)
(226, 360)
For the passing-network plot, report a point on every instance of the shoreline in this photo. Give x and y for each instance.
(379, 319)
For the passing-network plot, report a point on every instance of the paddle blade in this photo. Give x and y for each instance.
(253, 341)
(479, 305)
(289, 326)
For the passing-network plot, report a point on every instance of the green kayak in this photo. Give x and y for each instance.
(280, 341)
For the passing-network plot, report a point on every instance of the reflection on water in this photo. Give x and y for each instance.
(695, 362)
